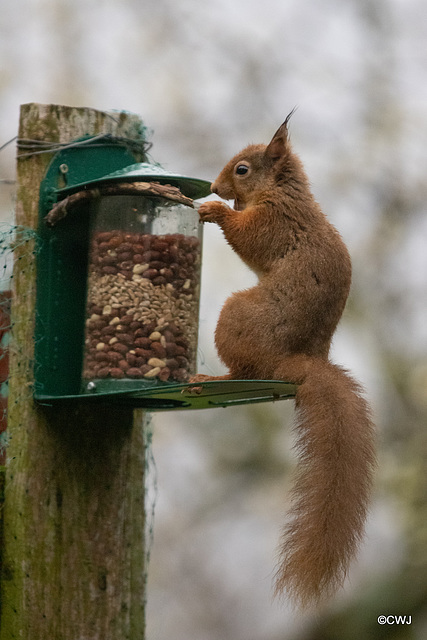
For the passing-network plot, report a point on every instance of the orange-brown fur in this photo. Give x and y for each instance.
(282, 329)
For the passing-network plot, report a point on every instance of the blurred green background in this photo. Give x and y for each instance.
(208, 78)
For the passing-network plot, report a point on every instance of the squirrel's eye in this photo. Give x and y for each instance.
(241, 169)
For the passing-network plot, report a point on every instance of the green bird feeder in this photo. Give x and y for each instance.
(118, 286)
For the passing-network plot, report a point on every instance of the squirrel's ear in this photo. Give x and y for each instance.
(277, 146)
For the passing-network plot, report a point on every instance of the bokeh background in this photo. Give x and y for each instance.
(208, 78)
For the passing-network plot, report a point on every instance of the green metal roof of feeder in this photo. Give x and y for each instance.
(193, 188)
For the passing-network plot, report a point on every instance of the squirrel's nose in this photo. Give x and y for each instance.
(213, 188)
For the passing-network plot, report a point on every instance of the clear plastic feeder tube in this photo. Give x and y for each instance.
(143, 291)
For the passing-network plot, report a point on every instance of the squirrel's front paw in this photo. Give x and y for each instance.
(213, 211)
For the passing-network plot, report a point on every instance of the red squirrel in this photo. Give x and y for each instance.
(281, 329)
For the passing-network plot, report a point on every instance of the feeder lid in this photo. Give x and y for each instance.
(146, 172)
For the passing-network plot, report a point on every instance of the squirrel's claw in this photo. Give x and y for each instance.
(199, 377)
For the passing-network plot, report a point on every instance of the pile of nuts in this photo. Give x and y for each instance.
(142, 306)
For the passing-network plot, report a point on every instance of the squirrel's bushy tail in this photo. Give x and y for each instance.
(336, 461)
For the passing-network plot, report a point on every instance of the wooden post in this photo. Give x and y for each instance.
(74, 510)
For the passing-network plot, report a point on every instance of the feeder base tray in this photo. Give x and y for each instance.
(164, 397)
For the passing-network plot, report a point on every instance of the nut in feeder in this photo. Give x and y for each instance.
(119, 284)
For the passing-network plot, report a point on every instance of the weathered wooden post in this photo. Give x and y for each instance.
(74, 511)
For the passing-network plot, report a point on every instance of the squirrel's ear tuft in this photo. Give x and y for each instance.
(289, 116)
(276, 148)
